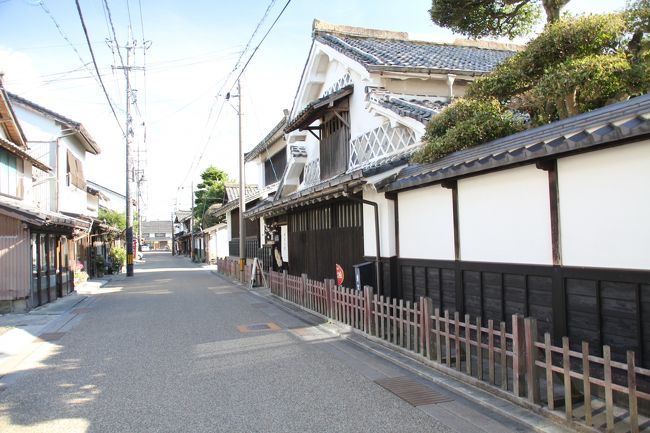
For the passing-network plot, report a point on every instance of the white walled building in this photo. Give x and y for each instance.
(359, 114)
(550, 223)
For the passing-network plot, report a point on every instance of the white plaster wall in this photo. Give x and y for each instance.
(386, 225)
(71, 198)
(222, 241)
(35, 126)
(505, 217)
(28, 191)
(426, 223)
(418, 87)
(229, 225)
(605, 207)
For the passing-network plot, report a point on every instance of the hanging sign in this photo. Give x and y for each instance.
(340, 275)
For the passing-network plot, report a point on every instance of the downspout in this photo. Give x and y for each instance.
(375, 206)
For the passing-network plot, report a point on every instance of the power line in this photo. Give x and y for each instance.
(260, 43)
(238, 77)
(92, 55)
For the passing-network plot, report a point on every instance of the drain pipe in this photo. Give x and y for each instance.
(347, 195)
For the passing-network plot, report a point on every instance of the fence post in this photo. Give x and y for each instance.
(518, 355)
(532, 380)
(631, 389)
(427, 307)
(368, 296)
(328, 291)
(304, 290)
(284, 284)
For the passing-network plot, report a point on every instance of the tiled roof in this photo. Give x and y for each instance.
(600, 127)
(315, 108)
(420, 108)
(156, 226)
(28, 212)
(252, 194)
(182, 215)
(270, 138)
(232, 191)
(395, 54)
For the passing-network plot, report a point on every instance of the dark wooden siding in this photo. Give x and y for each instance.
(252, 226)
(324, 235)
(335, 136)
(601, 306)
(274, 167)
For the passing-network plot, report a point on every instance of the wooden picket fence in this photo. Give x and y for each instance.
(576, 384)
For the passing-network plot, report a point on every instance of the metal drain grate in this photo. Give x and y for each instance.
(51, 336)
(412, 391)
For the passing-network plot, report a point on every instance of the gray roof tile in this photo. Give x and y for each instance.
(394, 53)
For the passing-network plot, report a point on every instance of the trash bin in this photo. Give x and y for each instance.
(364, 275)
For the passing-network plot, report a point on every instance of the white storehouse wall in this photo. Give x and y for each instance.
(386, 225)
(426, 223)
(505, 217)
(605, 207)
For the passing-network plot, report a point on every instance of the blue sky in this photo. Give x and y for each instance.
(194, 45)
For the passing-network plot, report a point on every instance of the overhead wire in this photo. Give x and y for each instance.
(198, 161)
(92, 55)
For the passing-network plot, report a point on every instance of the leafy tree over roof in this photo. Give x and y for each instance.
(210, 191)
(575, 65)
(494, 18)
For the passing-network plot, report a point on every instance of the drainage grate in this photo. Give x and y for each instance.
(51, 336)
(270, 326)
(412, 391)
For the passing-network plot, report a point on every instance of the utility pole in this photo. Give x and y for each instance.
(129, 162)
(192, 227)
(242, 199)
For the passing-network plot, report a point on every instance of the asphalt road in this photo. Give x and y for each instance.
(168, 351)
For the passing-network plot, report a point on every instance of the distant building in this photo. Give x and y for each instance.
(109, 199)
(157, 235)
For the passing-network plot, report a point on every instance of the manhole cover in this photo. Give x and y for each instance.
(258, 327)
(412, 391)
(51, 336)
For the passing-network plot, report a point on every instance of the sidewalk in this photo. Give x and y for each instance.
(487, 401)
(18, 331)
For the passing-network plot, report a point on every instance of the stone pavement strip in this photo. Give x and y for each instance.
(178, 349)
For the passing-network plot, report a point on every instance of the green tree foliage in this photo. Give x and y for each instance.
(116, 219)
(466, 123)
(210, 191)
(575, 65)
(493, 18)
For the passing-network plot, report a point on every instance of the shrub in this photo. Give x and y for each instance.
(466, 123)
(118, 258)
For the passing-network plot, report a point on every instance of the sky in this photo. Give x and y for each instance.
(185, 53)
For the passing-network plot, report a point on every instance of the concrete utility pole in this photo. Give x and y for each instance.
(129, 162)
(242, 199)
(192, 227)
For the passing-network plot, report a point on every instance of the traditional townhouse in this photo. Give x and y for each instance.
(550, 223)
(182, 235)
(64, 145)
(157, 235)
(359, 114)
(36, 244)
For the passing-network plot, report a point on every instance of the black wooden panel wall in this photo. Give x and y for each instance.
(324, 235)
(601, 306)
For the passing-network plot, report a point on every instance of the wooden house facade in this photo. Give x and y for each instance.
(359, 114)
(37, 249)
(550, 223)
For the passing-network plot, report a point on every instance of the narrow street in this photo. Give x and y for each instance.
(168, 351)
